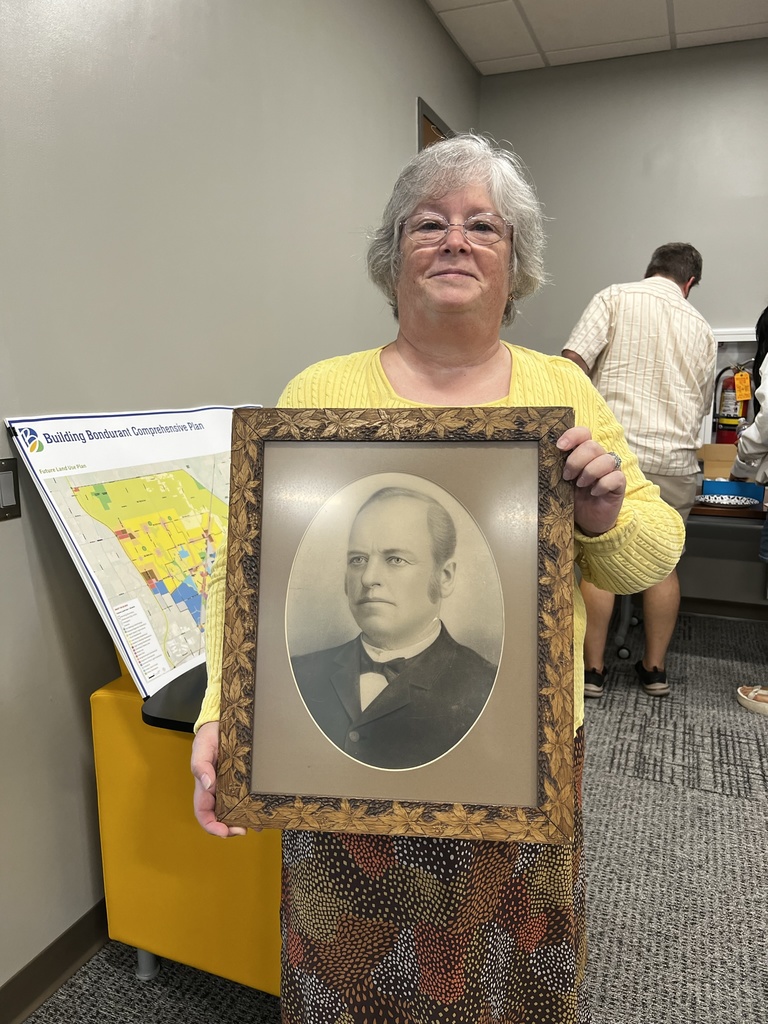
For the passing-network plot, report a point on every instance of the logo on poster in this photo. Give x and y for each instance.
(31, 441)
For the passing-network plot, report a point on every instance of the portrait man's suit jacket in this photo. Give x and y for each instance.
(422, 713)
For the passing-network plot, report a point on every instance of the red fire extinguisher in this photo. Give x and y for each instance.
(735, 393)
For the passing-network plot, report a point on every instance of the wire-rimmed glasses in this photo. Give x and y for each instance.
(432, 229)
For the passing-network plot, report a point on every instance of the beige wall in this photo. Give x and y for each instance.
(186, 189)
(628, 154)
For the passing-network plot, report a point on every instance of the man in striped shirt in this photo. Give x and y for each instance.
(652, 356)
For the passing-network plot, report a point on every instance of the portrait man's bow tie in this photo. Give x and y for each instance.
(388, 669)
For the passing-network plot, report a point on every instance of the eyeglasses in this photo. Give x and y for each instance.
(431, 228)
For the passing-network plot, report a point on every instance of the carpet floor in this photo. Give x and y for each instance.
(676, 834)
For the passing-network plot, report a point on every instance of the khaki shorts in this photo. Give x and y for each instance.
(677, 491)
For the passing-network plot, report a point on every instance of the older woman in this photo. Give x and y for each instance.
(380, 928)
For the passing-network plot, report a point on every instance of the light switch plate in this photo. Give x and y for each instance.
(10, 502)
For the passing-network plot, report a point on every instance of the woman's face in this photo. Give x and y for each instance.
(454, 276)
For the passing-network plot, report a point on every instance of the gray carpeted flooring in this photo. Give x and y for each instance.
(676, 834)
(676, 820)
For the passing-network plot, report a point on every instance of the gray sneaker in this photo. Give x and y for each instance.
(653, 681)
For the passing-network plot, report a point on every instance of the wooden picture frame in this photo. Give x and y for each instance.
(299, 479)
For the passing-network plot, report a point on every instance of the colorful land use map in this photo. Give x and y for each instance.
(168, 526)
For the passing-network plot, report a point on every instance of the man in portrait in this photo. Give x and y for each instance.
(403, 691)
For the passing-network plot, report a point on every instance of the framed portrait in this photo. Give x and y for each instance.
(398, 634)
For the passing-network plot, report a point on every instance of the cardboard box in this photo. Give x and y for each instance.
(717, 460)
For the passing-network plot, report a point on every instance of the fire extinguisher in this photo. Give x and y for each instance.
(735, 393)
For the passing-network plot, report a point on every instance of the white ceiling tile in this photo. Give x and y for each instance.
(701, 15)
(506, 64)
(628, 48)
(501, 36)
(452, 5)
(490, 31)
(565, 24)
(723, 35)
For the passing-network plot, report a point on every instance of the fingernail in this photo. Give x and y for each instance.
(205, 781)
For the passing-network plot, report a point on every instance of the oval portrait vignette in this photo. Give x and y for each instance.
(394, 620)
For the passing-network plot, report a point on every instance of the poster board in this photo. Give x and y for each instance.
(140, 500)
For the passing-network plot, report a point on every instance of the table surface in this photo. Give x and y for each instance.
(753, 512)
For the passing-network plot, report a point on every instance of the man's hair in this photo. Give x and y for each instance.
(439, 522)
(678, 261)
(444, 167)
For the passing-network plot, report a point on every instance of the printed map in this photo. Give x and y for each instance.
(149, 536)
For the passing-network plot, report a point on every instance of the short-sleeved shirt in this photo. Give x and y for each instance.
(652, 356)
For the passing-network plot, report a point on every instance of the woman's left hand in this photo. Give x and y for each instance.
(599, 482)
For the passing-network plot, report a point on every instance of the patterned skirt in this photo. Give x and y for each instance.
(410, 930)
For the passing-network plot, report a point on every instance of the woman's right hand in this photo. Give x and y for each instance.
(205, 754)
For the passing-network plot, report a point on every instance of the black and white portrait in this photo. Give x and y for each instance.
(394, 620)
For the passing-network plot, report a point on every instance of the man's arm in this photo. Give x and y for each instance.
(576, 358)
(708, 389)
(753, 442)
(591, 334)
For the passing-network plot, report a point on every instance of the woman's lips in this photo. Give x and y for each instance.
(452, 273)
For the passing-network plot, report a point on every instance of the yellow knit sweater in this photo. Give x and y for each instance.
(641, 549)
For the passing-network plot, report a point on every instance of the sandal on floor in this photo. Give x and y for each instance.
(753, 698)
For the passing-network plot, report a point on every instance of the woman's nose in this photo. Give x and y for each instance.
(455, 238)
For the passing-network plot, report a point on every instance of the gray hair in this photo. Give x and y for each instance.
(452, 164)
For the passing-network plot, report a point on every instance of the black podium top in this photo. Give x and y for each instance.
(177, 705)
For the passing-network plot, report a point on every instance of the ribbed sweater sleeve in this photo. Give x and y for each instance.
(645, 544)
(214, 640)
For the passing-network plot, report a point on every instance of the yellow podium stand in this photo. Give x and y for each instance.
(170, 888)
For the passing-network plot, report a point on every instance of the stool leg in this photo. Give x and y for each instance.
(147, 965)
(625, 620)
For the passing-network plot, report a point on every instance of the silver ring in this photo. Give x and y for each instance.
(616, 460)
